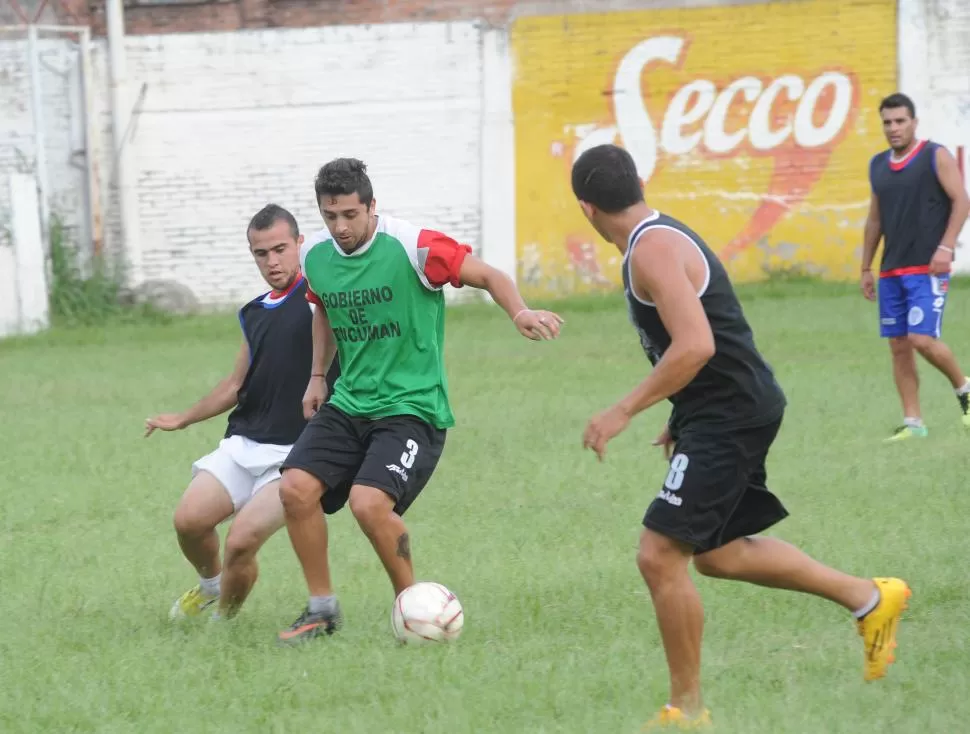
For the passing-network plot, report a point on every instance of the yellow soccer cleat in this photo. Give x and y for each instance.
(671, 717)
(192, 603)
(965, 409)
(878, 627)
(906, 432)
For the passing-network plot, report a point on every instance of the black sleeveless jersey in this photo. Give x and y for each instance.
(269, 407)
(914, 210)
(736, 388)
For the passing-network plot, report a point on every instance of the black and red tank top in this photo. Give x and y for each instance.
(913, 208)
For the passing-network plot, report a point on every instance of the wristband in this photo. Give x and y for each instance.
(519, 314)
(318, 374)
(944, 247)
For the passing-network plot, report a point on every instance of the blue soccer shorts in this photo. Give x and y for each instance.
(912, 303)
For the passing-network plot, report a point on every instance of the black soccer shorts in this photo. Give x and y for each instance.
(397, 455)
(715, 490)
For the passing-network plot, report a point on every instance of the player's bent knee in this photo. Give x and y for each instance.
(242, 546)
(652, 566)
(715, 564)
(901, 345)
(188, 524)
(659, 557)
(239, 554)
(921, 342)
(725, 562)
(300, 492)
(369, 504)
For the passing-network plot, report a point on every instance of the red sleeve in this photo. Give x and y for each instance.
(312, 297)
(442, 258)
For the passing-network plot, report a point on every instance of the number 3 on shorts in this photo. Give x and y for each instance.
(675, 477)
(407, 458)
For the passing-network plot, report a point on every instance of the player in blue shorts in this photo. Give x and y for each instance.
(918, 207)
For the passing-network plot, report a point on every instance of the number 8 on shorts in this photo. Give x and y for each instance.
(675, 477)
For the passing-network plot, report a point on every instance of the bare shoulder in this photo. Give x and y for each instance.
(663, 253)
(949, 175)
(943, 155)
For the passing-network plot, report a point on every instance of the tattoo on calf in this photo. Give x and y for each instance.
(404, 547)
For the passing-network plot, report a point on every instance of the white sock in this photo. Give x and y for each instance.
(210, 587)
(869, 606)
(913, 422)
(965, 389)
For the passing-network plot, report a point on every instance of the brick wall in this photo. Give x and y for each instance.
(226, 15)
(59, 74)
(228, 122)
(239, 14)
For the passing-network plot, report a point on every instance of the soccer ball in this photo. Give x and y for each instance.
(427, 612)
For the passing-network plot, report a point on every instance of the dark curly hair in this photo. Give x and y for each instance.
(343, 176)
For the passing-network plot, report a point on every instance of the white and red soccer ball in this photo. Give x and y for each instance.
(427, 612)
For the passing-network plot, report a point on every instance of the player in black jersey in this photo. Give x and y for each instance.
(265, 388)
(918, 206)
(727, 410)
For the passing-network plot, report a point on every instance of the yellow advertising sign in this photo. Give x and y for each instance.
(753, 123)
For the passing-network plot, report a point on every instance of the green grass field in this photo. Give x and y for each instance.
(536, 538)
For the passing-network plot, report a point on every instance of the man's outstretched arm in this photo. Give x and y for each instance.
(445, 261)
(220, 399)
(530, 323)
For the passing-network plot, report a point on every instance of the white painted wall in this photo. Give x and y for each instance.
(497, 155)
(227, 122)
(23, 280)
(9, 304)
(934, 70)
(62, 102)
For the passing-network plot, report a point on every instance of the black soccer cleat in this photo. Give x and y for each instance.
(310, 625)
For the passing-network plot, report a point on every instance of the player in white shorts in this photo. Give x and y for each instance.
(240, 479)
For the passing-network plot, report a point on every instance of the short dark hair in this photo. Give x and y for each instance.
(343, 176)
(606, 177)
(270, 215)
(898, 99)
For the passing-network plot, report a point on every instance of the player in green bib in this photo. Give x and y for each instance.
(376, 283)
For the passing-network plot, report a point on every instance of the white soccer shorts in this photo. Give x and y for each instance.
(243, 467)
